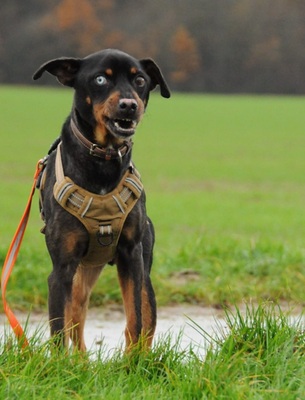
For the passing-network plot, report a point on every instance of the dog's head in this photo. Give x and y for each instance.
(111, 89)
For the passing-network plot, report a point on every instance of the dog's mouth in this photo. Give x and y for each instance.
(121, 127)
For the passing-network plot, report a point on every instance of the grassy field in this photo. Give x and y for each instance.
(225, 182)
(259, 356)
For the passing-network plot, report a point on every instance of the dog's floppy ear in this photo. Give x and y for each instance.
(65, 69)
(153, 71)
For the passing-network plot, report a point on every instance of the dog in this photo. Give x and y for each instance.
(92, 198)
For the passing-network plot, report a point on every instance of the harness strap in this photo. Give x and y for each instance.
(59, 172)
(102, 215)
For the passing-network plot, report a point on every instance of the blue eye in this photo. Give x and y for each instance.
(100, 80)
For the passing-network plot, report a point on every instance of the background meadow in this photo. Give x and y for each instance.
(224, 176)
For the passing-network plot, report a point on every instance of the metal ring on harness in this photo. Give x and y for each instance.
(105, 235)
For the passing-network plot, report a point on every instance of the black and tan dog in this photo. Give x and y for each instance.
(92, 199)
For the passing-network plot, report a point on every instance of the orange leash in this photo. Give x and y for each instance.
(10, 262)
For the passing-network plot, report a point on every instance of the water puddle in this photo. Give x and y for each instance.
(105, 326)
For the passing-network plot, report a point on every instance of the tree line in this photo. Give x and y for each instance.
(228, 46)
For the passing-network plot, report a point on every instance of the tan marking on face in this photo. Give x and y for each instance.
(88, 100)
(109, 72)
(134, 70)
(101, 110)
(108, 109)
(100, 131)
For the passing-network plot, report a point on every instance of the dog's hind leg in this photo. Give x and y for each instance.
(130, 273)
(76, 307)
(149, 313)
(138, 297)
(149, 308)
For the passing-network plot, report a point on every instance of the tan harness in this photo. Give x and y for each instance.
(102, 215)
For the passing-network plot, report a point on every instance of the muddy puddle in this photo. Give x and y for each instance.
(105, 327)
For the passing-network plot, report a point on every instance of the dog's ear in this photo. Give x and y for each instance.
(153, 71)
(65, 69)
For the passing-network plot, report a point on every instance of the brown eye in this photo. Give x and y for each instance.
(140, 81)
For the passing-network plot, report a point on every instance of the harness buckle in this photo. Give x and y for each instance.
(92, 149)
(105, 235)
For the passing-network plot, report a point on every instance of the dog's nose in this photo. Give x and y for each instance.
(128, 105)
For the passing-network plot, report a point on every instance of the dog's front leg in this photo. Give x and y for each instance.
(66, 250)
(130, 271)
(60, 288)
(76, 308)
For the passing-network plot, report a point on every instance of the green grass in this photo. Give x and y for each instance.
(225, 183)
(224, 177)
(259, 356)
